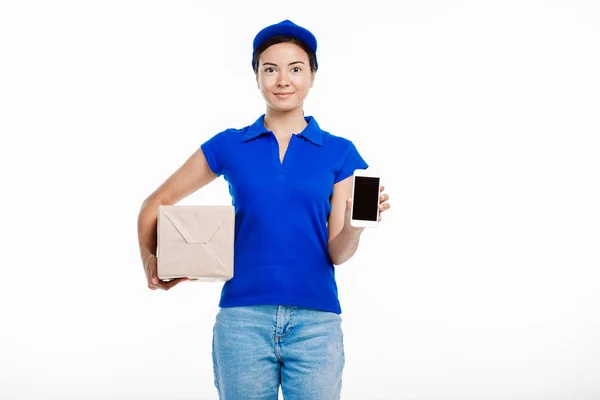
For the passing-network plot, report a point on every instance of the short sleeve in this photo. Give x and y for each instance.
(350, 162)
(213, 150)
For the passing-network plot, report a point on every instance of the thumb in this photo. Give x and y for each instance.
(348, 206)
(153, 273)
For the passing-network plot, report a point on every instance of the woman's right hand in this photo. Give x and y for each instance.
(150, 267)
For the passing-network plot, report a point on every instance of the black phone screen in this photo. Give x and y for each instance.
(366, 198)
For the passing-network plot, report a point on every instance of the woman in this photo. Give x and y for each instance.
(279, 320)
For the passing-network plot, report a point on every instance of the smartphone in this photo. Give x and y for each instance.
(365, 198)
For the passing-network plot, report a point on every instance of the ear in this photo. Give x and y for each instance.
(312, 81)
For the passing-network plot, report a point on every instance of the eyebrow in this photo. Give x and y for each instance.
(270, 63)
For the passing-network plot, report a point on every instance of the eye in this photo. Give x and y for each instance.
(269, 69)
(297, 68)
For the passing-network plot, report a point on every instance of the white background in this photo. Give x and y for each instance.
(482, 282)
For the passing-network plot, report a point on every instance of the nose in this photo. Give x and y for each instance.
(282, 79)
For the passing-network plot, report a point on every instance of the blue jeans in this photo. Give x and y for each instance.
(257, 348)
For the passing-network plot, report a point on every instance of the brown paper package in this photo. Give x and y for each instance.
(195, 242)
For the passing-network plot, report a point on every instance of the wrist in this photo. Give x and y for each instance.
(353, 231)
(146, 256)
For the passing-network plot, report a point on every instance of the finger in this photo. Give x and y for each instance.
(382, 188)
(153, 276)
(151, 269)
(161, 284)
(174, 282)
(168, 285)
(383, 198)
(383, 207)
(348, 208)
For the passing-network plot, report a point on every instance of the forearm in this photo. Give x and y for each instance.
(147, 221)
(343, 246)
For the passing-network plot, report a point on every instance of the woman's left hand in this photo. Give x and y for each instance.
(383, 206)
(383, 202)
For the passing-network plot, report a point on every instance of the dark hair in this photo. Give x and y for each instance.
(283, 39)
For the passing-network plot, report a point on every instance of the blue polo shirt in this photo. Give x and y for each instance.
(281, 210)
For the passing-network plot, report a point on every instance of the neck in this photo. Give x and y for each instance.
(285, 123)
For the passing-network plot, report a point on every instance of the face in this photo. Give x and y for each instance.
(284, 69)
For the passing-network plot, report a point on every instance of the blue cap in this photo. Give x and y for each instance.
(286, 28)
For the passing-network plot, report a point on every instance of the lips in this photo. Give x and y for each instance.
(283, 95)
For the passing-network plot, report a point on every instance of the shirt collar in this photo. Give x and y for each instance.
(312, 132)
